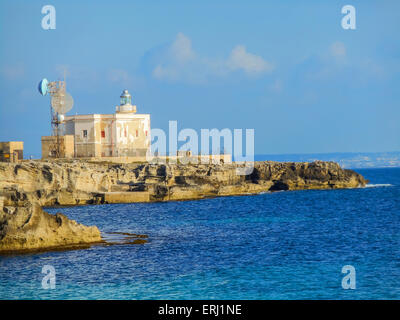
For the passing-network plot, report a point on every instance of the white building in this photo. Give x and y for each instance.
(122, 134)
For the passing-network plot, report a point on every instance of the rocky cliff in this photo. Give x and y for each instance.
(28, 227)
(77, 182)
(26, 186)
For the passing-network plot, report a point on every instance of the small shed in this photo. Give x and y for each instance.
(11, 151)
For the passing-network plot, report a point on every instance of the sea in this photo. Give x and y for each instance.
(312, 244)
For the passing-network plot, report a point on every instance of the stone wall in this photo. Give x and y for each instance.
(66, 146)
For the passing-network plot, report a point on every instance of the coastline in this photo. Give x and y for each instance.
(51, 183)
(27, 186)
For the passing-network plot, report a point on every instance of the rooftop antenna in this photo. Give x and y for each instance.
(61, 102)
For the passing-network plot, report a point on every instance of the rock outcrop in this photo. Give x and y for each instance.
(26, 186)
(28, 227)
(77, 182)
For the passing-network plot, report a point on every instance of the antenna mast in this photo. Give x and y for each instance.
(61, 103)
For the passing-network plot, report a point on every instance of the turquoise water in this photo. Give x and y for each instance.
(283, 245)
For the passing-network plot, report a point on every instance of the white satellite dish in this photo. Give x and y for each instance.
(62, 102)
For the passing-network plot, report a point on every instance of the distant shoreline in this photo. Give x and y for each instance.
(347, 160)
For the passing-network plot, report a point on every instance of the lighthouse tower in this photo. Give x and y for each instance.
(126, 103)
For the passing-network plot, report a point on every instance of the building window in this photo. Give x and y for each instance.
(84, 133)
(146, 133)
(137, 133)
(125, 132)
(103, 134)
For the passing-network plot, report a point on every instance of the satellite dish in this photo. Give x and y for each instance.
(61, 118)
(43, 86)
(62, 102)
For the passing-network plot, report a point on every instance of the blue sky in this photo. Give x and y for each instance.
(287, 69)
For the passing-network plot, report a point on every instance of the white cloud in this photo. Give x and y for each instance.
(335, 64)
(176, 60)
(181, 49)
(246, 61)
(160, 72)
(179, 62)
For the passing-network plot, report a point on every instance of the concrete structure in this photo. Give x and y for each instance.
(122, 134)
(194, 159)
(122, 137)
(66, 145)
(11, 151)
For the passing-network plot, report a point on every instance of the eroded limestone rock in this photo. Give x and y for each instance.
(29, 227)
(26, 186)
(78, 182)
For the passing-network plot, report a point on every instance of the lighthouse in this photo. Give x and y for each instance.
(122, 134)
(126, 103)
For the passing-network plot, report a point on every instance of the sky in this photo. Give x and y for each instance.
(286, 69)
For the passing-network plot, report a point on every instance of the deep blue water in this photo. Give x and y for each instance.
(283, 245)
